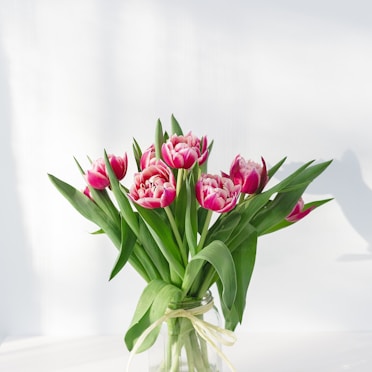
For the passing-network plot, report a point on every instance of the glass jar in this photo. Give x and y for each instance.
(180, 346)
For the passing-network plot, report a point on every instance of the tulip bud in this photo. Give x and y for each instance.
(98, 178)
(148, 157)
(250, 175)
(87, 193)
(298, 212)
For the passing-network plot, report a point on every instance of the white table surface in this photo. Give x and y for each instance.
(254, 352)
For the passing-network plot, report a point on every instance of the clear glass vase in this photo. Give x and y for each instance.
(180, 347)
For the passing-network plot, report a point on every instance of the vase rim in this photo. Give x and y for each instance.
(192, 302)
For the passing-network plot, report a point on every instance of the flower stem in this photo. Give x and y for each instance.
(176, 234)
(179, 180)
(204, 231)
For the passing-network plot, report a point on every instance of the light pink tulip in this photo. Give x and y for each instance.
(184, 151)
(148, 157)
(154, 187)
(216, 193)
(250, 175)
(298, 212)
(98, 178)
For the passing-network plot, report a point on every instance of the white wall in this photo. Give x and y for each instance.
(275, 79)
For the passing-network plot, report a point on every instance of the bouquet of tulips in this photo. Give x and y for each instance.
(162, 225)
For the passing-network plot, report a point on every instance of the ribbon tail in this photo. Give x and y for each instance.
(201, 330)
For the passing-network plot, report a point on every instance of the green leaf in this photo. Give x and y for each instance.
(88, 208)
(102, 199)
(204, 166)
(128, 239)
(244, 257)
(284, 223)
(176, 128)
(140, 320)
(98, 232)
(317, 203)
(122, 199)
(301, 178)
(137, 264)
(224, 226)
(202, 216)
(289, 192)
(159, 139)
(310, 173)
(137, 152)
(278, 209)
(218, 255)
(80, 167)
(151, 270)
(163, 236)
(153, 251)
(275, 168)
(151, 306)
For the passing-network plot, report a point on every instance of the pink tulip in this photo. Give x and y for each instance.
(216, 193)
(98, 178)
(250, 175)
(298, 212)
(87, 193)
(184, 151)
(154, 187)
(148, 157)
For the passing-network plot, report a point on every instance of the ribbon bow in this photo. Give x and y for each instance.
(209, 332)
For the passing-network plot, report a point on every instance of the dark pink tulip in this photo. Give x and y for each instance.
(184, 151)
(154, 187)
(216, 193)
(250, 175)
(298, 212)
(87, 193)
(98, 178)
(148, 157)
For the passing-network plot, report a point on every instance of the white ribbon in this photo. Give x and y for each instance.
(209, 332)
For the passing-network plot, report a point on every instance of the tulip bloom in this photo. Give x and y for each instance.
(98, 178)
(184, 151)
(154, 187)
(216, 193)
(148, 157)
(250, 175)
(298, 212)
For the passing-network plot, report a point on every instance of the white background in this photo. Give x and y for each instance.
(282, 78)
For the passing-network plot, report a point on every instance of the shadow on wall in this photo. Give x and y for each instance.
(343, 180)
(19, 313)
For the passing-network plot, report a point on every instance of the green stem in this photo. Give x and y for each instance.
(247, 200)
(204, 231)
(204, 353)
(179, 180)
(201, 364)
(176, 233)
(241, 198)
(190, 355)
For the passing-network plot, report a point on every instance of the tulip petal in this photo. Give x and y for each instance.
(154, 187)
